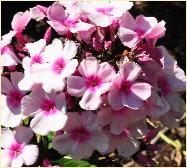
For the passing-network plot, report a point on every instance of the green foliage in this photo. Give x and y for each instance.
(69, 162)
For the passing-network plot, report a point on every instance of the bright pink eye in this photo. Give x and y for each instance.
(126, 85)
(36, 59)
(93, 82)
(15, 150)
(58, 66)
(48, 107)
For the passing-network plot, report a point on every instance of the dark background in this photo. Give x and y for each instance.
(174, 14)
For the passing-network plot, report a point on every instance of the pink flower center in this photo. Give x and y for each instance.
(105, 11)
(139, 31)
(14, 98)
(69, 23)
(93, 82)
(15, 150)
(58, 66)
(163, 85)
(4, 50)
(125, 86)
(36, 59)
(80, 134)
(48, 107)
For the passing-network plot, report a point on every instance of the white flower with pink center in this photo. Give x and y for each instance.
(120, 119)
(132, 30)
(58, 64)
(11, 97)
(104, 13)
(126, 91)
(82, 136)
(48, 110)
(96, 80)
(16, 152)
(64, 23)
(35, 50)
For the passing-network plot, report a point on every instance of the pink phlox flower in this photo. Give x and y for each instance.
(104, 13)
(58, 64)
(38, 12)
(132, 31)
(82, 136)
(96, 80)
(11, 97)
(126, 91)
(118, 120)
(62, 23)
(35, 50)
(16, 152)
(48, 109)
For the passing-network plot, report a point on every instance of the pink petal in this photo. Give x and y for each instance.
(127, 146)
(20, 20)
(73, 121)
(128, 37)
(69, 50)
(10, 116)
(130, 71)
(106, 72)
(39, 126)
(105, 116)
(36, 47)
(6, 85)
(76, 86)
(23, 134)
(62, 144)
(7, 38)
(145, 23)
(119, 123)
(90, 100)
(81, 26)
(99, 141)
(6, 161)
(157, 31)
(7, 138)
(17, 162)
(30, 154)
(80, 151)
(127, 21)
(56, 12)
(115, 99)
(69, 68)
(86, 35)
(58, 27)
(132, 101)
(142, 90)
(60, 101)
(16, 77)
(120, 8)
(88, 67)
(9, 58)
(37, 14)
(100, 19)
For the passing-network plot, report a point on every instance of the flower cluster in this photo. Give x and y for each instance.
(77, 84)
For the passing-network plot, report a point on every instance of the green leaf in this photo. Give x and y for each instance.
(69, 162)
(50, 136)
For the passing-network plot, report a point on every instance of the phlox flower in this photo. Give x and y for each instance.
(35, 50)
(62, 22)
(118, 120)
(82, 136)
(16, 150)
(48, 110)
(11, 115)
(96, 80)
(126, 91)
(104, 13)
(132, 31)
(8, 57)
(126, 143)
(58, 64)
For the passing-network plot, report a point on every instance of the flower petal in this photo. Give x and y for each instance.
(30, 154)
(7, 138)
(6, 85)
